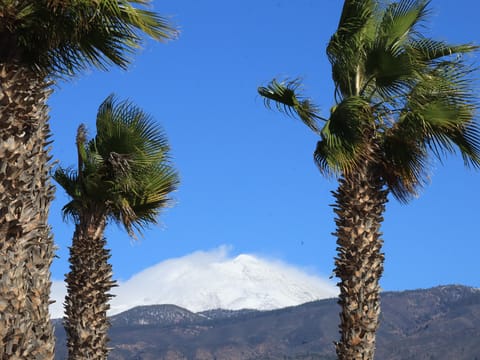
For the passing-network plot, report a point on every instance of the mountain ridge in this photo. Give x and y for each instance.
(440, 323)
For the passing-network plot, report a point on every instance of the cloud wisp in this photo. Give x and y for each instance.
(213, 279)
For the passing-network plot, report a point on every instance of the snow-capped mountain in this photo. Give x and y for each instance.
(203, 281)
(212, 280)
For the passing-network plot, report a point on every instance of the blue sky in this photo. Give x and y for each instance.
(248, 178)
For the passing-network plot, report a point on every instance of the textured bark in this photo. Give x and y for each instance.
(88, 284)
(26, 244)
(360, 203)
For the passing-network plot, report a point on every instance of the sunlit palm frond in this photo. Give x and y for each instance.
(400, 22)
(286, 97)
(126, 173)
(333, 158)
(442, 109)
(158, 182)
(64, 37)
(136, 211)
(444, 132)
(353, 19)
(430, 49)
(346, 48)
(390, 74)
(124, 128)
(391, 67)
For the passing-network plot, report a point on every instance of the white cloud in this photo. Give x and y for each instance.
(214, 279)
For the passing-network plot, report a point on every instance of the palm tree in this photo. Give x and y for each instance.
(124, 175)
(41, 40)
(401, 100)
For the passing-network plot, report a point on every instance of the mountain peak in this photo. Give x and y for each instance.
(202, 281)
(214, 279)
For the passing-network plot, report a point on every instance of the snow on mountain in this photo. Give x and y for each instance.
(209, 280)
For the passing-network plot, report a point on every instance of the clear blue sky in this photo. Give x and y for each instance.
(248, 178)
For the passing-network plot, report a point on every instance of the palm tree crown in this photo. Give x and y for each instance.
(408, 94)
(124, 172)
(65, 36)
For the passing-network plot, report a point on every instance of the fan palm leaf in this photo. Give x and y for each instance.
(287, 98)
(65, 37)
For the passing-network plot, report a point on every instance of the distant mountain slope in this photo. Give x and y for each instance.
(441, 323)
(155, 315)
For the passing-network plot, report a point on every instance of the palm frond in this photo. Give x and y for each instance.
(442, 109)
(124, 128)
(67, 178)
(343, 137)
(405, 165)
(286, 97)
(391, 74)
(400, 21)
(62, 38)
(391, 67)
(355, 15)
(346, 48)
(430, 49)
(126, 172)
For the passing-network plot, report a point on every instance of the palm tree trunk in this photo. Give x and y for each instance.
(360, 203)
(26, 244)
(88, 286)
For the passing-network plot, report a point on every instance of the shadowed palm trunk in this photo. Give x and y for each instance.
(360, 203)
(88, 285)
(26, 244)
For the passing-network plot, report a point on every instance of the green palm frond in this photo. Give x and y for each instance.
(442, 109)
(126, 172)
(405, 164)
(354, 17)
(332, 160)
(343, 137)
(68, 179)
(147, 205)
(346, 49)
(64, 37)
(391, 66)
(390, 75)
(430, 49)
(287, 98)
(444, 131)
(125, 129)
(400, 22)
